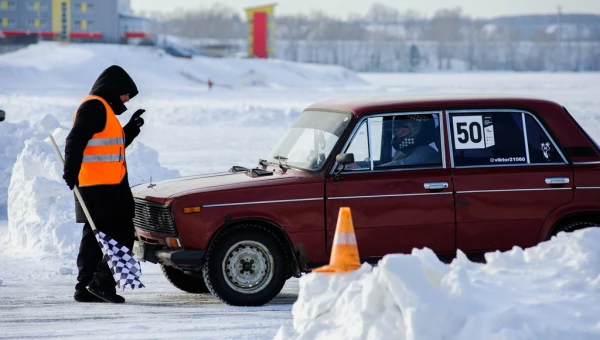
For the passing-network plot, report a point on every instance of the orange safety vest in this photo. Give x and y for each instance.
(104, 156)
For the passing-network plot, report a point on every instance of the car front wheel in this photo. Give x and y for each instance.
(245, 266)
(186, 282)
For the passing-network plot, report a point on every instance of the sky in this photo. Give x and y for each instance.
(341, 8)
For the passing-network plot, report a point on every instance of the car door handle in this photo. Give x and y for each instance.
(557, 180)
(435, 185)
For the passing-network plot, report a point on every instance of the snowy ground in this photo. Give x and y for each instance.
(36, 303)
(188, 130)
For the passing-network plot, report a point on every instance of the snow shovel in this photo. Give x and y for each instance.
(123, 264)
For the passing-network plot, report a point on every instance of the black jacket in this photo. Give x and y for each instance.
(105, 202)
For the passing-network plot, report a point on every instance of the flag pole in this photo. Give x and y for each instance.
(85, 210)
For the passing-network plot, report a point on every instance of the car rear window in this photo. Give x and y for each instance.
(500, 138)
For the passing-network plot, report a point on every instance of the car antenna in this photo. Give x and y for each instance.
(151, 185)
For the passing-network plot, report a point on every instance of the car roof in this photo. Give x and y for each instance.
(361, 106)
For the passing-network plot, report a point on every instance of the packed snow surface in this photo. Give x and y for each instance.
(191, 130)
(152, 68)
(551, 291)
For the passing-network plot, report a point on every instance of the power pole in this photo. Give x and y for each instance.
(39, 22)
(558, 39)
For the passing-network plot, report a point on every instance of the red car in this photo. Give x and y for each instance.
(476, 173)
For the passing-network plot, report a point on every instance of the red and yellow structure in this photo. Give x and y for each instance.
(261, 30)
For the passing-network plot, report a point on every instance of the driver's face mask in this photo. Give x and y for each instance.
(399, 143)
(407, 131)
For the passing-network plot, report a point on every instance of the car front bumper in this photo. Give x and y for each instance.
(178, 258)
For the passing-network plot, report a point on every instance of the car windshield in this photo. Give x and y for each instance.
(308, 143)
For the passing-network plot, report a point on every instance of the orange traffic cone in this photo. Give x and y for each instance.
(344, 252)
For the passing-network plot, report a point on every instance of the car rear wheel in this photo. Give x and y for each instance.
(570, 227)
(187, 282)
(245, 266)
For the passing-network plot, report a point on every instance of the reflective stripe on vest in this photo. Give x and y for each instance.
(104, 155)
(102, 158)
(105, 141)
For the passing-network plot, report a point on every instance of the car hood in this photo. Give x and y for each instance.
(162, 190)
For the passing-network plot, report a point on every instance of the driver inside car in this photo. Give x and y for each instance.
(411, 141)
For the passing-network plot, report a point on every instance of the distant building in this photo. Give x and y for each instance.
(571, 26)
(72, 20)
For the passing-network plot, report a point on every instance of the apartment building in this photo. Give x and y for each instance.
(72, 20)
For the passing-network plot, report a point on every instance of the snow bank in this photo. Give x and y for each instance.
(142, 163)
(41, 214)
(42, 67)
(12, 140)
(551, 291)
(40, 207)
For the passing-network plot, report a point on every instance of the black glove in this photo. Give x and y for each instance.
(71, 181)
(136, 120)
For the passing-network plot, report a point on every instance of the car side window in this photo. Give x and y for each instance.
(413, 141)
(360, 148)
(393, 141)
(541, 149)
(498, 138)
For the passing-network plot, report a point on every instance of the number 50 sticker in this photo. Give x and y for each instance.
(468, 132)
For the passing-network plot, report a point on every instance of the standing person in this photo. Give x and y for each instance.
(95, 163)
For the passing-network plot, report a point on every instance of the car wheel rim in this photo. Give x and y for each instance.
(248, 267)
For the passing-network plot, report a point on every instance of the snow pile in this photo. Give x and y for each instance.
(41, 213)
(65, 271)
(40, 206)
(12, 140)
(42, 66)
(551, 291)
(142, 164)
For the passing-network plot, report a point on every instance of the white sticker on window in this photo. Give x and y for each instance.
(488, 131)
(468, 132)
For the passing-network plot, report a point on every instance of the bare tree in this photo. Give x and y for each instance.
(413, 23)
(382, 14)
(445, 30)
(218, 21)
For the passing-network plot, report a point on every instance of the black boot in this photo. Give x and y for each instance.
(85, 296)
(106, 295)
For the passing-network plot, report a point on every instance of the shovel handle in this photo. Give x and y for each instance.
(85, 210)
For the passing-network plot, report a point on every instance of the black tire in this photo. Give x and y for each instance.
(260, 258)
(570, 227)
(186, 282)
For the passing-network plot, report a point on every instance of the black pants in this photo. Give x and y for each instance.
(89, 260)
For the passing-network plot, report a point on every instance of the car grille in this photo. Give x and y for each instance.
(155, 217)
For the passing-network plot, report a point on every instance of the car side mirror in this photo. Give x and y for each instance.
(2, 115)
(343, 159)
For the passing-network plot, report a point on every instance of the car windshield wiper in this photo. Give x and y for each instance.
(281, 158)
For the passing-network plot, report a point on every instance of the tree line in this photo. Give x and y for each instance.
(385, 38)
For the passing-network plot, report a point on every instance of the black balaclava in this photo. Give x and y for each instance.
(111, 85)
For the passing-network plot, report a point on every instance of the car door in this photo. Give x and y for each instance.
(508, 175)
(399, 206)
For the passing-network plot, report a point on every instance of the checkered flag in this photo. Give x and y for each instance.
(125, 267)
